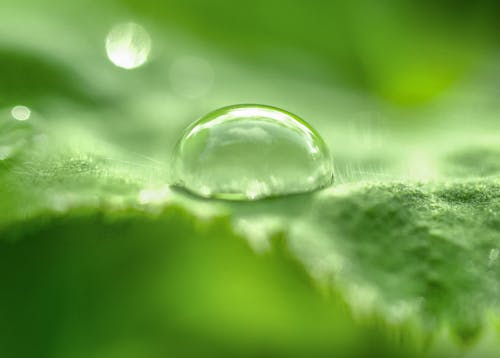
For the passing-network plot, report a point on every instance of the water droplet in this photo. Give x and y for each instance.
(16, 134)
(248, 152)
(21, 113)
(128, 45)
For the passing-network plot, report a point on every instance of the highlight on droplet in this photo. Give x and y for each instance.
(154, 196)
(20, 113)
(128, 45)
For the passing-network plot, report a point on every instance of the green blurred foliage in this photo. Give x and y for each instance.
(404, 51)
(95, 284)
(30, 79)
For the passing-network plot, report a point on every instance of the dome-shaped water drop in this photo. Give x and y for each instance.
(247, 152)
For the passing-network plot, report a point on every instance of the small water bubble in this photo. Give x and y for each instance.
(16, 133)
(248, 152)
(21, 113)
(128, 45)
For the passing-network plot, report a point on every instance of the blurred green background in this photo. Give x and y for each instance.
(359, 72)
(400, 90)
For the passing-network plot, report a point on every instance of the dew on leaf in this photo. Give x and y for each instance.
(128, 45)
(248, 152)
(16, 132)
(21, 113)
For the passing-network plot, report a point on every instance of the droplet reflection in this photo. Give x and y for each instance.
(128, 45)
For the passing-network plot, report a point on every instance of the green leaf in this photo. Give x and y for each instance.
(99, 257)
